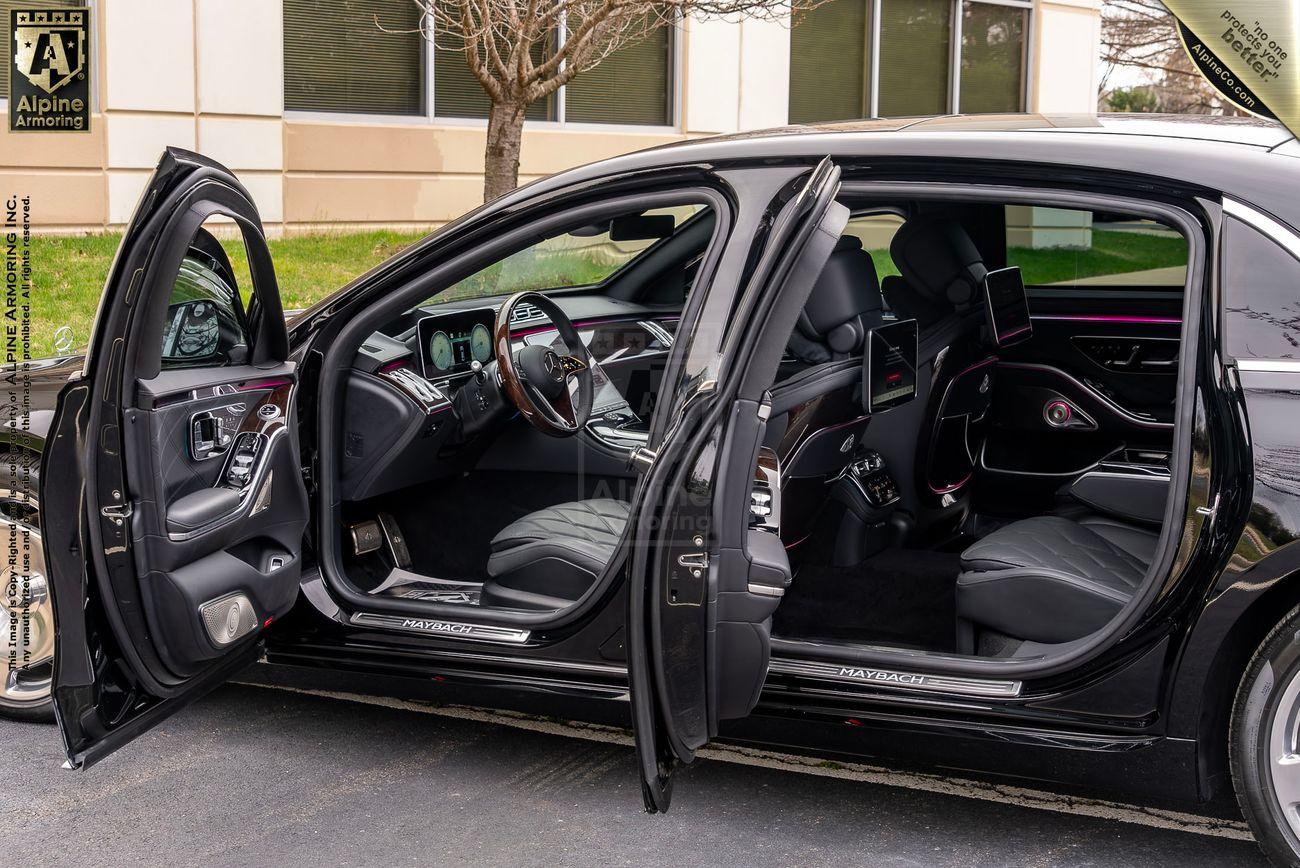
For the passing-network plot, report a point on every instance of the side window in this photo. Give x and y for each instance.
(1074, 248)
(876, 232)
(584, 256)
(1261, 295)
(207, 313)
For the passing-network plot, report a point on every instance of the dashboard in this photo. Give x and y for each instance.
(400, 424)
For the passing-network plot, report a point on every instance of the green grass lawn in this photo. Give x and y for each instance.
(69, 272)
(1112, 252)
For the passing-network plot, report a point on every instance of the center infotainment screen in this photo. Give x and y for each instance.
(891, 365)
(1008, 306)
(450, 342)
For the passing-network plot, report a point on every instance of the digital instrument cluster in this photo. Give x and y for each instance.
(450, 342)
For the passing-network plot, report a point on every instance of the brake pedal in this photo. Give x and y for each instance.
(366, 537)
(395, 540)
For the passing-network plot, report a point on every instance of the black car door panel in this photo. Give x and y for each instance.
(174, 493)
(1096, 382)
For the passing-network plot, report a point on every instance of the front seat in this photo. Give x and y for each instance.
(827, 343)
(1052, 579)
(938, 437)
(549, 558)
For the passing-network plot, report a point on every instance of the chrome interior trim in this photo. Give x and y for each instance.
(442, 627)
(1270, 366)
(897, 678)
(618, 437)
(766, 590)
(1116, 409)
(261, 471)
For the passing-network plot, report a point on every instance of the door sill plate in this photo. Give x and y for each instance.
(443, 627)
(898, 678)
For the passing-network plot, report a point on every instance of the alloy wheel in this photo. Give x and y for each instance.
(26, 611)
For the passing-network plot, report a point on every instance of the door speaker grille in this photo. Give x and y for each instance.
(228, 618)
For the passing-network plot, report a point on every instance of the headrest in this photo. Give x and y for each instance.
(939, 261)
(845, 301)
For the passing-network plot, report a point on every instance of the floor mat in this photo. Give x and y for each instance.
(899, 597)
(404, 586)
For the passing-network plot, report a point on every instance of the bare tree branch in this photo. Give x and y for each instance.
(1142, 36)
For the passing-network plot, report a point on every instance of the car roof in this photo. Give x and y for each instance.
(1257, 132)
(1250, 158)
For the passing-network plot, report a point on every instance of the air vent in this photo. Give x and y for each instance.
(525, 313)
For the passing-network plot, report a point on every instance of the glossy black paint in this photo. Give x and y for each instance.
(1147, 717)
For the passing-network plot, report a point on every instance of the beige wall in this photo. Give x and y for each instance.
(1066, 47)
(208, 75)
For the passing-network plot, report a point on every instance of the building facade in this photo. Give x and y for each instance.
(339, 113)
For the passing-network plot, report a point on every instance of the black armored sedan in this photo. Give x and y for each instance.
(967, 441)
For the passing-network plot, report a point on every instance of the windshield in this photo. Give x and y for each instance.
(584, 256)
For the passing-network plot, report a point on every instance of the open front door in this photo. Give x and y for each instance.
(175, 500)
(705, 581)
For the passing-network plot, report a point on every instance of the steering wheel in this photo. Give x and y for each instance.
(539, 381)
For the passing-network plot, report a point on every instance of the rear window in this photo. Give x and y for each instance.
(1074, 248)
(1261, 295)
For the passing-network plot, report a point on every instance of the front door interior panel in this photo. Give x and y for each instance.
(217, 538)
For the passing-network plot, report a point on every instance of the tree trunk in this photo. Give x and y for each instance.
(505, 133)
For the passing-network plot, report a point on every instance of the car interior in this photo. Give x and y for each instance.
(968, 450)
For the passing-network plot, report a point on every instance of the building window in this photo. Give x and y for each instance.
(821, 91)
(915, 44)
(359, 56)
(369, 57)
(993, 58)
(458, 94)
(918, 42)
(631, 86)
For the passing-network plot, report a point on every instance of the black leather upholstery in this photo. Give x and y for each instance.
(843, 306)
(938, 260)
(942, 276)
(549, 558)
(1053, 579)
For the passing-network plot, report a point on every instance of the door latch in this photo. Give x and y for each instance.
(696, 562)
(117, 512)
(1211, 510)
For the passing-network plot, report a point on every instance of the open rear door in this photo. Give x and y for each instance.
(704, 582)
(175, 500)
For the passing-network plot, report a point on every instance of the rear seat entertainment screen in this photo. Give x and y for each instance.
(1004, 293)
(891, 365)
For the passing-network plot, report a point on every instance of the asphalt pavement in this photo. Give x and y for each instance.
(260, 776)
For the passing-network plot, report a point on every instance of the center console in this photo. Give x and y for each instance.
(870, 520)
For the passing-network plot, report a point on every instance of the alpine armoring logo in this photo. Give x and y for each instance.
(49, 73)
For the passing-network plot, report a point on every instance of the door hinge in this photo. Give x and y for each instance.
(641, 459)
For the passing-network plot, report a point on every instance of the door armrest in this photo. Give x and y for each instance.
(200, 508)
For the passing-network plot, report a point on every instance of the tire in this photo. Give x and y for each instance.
(32, 705)
(1265, 728)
